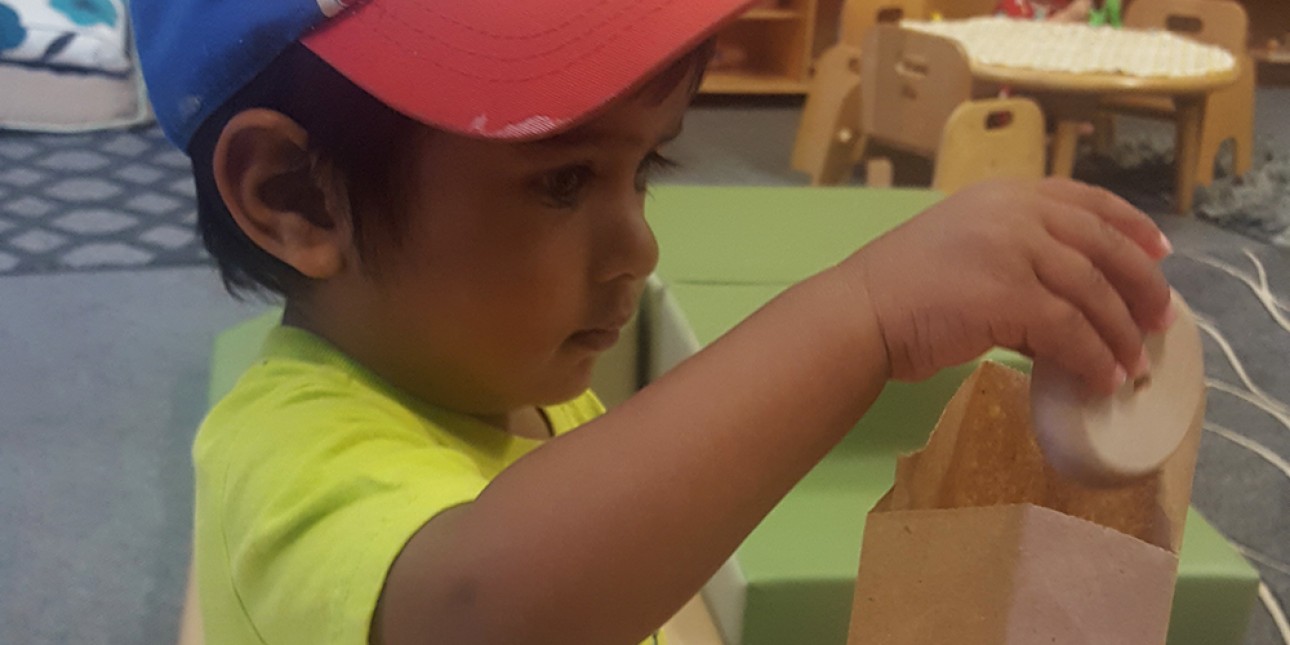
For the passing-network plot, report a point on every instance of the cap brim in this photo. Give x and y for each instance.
(507, 70)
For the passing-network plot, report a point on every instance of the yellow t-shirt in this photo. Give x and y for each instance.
(311, 476)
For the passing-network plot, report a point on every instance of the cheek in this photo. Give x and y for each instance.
(487, 262)
(498, 279)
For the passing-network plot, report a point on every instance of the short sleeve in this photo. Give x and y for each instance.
(313, 516)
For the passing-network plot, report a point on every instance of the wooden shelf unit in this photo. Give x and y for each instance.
(767, 50)
(770, 48)
(1269, 24)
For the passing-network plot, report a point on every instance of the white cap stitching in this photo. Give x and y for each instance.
(332, 7)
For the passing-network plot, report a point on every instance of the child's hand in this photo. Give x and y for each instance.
(1054, 268)
(1075, 12)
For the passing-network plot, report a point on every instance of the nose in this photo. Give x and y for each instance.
(624, 245)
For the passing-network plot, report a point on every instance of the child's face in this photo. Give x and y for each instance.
(520, 262)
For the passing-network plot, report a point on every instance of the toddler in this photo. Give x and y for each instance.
(449, 199)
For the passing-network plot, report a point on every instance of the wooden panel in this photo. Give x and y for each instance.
(953, 9)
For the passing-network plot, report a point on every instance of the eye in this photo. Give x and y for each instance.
(652, 164)
(563, 187)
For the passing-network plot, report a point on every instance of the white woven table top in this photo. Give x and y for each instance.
(1079, 48)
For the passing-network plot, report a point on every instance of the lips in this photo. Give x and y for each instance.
(604, 333)
(596, 340)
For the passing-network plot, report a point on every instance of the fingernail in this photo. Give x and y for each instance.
(1142, 367)
(1168, 319)
(1121, 377)
(1168, 246)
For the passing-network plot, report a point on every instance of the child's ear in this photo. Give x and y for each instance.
(267, 180)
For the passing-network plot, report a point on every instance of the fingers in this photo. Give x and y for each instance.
(1070, 276)
(1061, 333)
(1114, 210)
(1133, 279)
(1105, 281)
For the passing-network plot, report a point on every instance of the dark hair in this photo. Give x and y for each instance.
(364, 139)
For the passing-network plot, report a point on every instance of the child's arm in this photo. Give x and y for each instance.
(602, 534)
(1076, 11)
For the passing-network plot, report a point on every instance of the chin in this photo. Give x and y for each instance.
(567, 386)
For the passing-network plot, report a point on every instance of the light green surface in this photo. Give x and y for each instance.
(763, 235)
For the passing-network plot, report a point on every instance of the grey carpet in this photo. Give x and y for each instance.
(102, 381)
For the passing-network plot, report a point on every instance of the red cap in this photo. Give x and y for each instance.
(511, 69)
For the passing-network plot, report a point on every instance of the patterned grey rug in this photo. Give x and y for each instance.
(1140, 168)
(1240, 291)
(112, 199)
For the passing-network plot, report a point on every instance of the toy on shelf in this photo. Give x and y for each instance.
(1105, 12)
(728, 56)
(1278, 51)
(1023, 9)
(1110, 13)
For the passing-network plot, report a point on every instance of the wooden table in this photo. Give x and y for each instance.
(1072, 99)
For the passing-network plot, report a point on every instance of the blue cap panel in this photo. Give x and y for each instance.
(197, 53)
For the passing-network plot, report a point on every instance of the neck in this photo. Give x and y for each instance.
(526, 421)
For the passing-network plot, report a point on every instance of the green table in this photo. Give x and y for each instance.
(769, 235)
(725, 252)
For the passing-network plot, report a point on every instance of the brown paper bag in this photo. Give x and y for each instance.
(981, 542)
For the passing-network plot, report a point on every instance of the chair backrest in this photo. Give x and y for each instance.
(990, 139)
(1215, 22)
(859, 16)
(832, 108)
(910, 84)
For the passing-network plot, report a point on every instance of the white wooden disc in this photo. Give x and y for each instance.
(1131, 433)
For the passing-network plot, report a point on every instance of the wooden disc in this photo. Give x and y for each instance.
(1109, 440)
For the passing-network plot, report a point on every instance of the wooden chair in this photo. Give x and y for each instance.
(827, 140)
(910, 84)
(828, 135)
(190, 618)
(859, 16)
(990, 139)
(1228, 112)
(918, 97)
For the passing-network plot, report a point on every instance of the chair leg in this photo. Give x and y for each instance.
(1242, 153)
(1065, 145)
(190, 620)
(1191, 113)
(1104, 134)
(879, 173)
(1206, 158)
(838, 159)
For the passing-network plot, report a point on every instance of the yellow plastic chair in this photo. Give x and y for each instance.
(990, 139)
